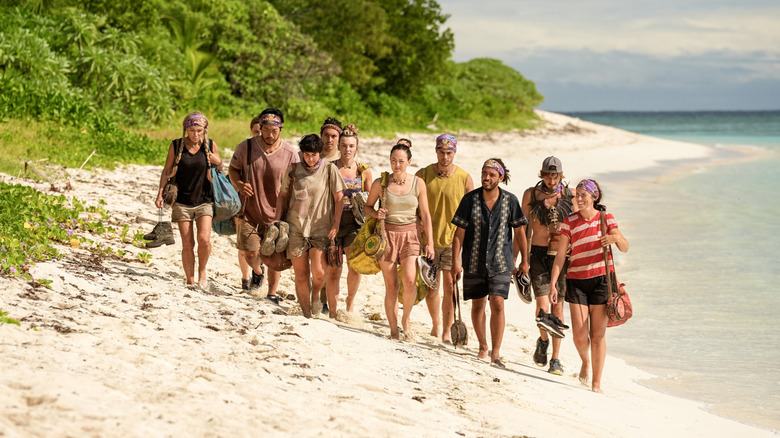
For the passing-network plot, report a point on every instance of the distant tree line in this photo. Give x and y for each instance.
(109, 63)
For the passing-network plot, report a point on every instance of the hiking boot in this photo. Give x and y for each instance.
(163, 235)
(161, 227)
(284, 236)
(555, 367)
(269, 240)
(544, 322)
(257, 279)
(540, 355)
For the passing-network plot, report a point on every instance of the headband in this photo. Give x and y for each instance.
(493, 164)
(195, 120)
(331, 126)
(404, 142)
(271, 119)
(590, 186)
(446, 142)
(349, 133)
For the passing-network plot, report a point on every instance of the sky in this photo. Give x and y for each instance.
(601, 55)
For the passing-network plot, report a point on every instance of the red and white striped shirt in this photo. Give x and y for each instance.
(587, 255)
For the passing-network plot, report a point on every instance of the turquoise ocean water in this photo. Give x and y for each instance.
(701, 270)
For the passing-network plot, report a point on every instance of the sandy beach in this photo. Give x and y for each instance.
(123, 348)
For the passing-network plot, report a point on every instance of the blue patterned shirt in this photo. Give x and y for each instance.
(487, 244)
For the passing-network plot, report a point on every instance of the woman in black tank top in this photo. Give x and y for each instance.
(188, 162)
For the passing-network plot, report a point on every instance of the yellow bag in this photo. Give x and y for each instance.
(422, 289)
(357, 259)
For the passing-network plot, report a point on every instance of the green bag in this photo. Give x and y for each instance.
(357, 259)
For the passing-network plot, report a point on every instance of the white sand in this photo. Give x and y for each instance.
(124, 349)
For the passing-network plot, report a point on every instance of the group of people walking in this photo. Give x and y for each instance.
(296, 205)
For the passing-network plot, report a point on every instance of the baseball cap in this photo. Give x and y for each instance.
(552, 165)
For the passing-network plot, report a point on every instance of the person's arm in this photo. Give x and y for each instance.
(520, 247)
(615, 236)
(338, 199)
(457, 244)
(214, 157)
(367, 180)
(469, 184)
(165, 175)
(244, 189)
(425, 214)
(373, 196)
(560, 259)
(528, 231)
(284, 195)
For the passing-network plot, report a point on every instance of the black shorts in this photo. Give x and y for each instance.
(588, 292)
(348, 230)
(541, 267)
(480, 286)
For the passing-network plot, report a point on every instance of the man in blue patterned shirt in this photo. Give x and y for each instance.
(491, 232)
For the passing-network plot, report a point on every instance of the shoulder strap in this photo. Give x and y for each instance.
(606, 249)
(177, 144)
(292, 172)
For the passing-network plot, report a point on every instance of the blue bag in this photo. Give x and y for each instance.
(224, 228)
(226, 201)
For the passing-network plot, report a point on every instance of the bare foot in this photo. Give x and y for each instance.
(497, 363)
(597, 390)
(435, 331)
(483, 353)
(584, 375)
(203, 283)
(394, 334)
(409, 336)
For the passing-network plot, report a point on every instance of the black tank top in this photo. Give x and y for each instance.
(194, 186)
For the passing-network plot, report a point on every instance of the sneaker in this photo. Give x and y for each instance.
(274, 298)
(544, 322)
(284, 236)
(540, 355)
(428, 271)
(269, 240)
(246, 284)
(325, 309)
(558, 322)
(523, 283)
(555, 367)
(257, 279)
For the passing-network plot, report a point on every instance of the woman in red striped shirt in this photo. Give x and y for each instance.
(586, 280)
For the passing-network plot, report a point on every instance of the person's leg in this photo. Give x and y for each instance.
(557, 310)
(187, 250)
(318, 264)
(580, 335)
(332, 280)
(390, 275)
(543, 304)
(497, 323)
(478, 321)
(409, 278)
(447, 306)
(598, 342)
(246, 275)
(302, 286)
(433, 301)
(204, 249)
(273, 280)
(353, 283)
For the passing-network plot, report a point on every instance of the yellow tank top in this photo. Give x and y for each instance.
(444, 195)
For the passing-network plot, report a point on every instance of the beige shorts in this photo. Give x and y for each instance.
(185, 213)
(249, 237)
(443, 258)
(402, 242)
(299, 245)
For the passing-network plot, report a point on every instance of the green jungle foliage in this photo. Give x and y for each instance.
(96, 75)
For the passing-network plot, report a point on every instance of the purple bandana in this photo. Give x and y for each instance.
(493, 164)
(446, 142)
(590, 186)
(405, 142)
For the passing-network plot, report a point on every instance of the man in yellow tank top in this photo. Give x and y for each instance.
(447, 184)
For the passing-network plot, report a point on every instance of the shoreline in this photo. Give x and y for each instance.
(143, 350)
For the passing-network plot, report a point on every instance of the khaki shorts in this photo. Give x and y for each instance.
(443, 258)
(248, 235)
(185, 213)
(402, 242)
(299, 245)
